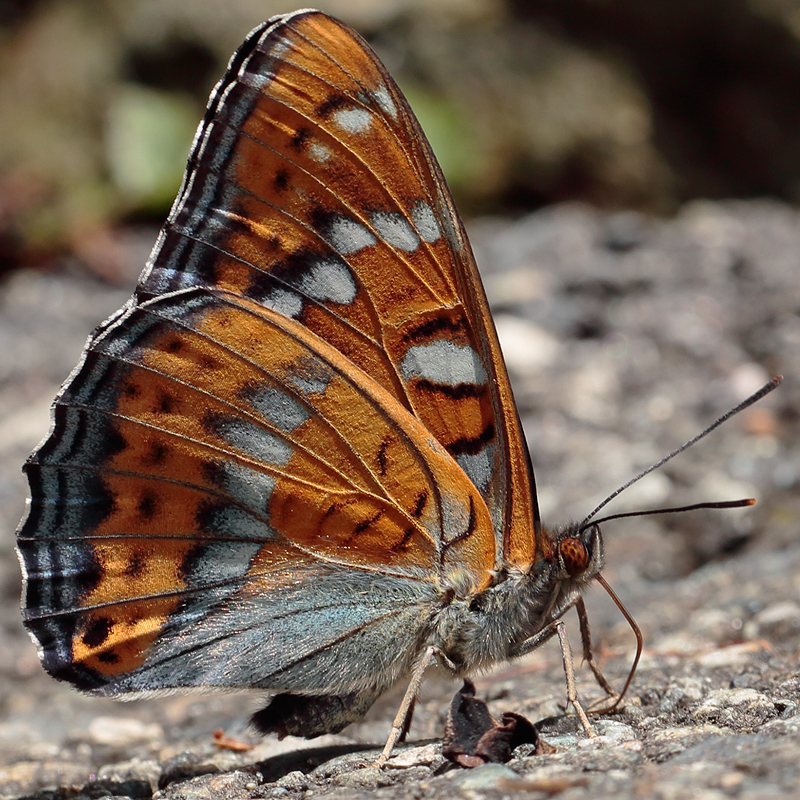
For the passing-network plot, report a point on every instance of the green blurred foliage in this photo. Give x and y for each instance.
(148, 133)
(449, 134)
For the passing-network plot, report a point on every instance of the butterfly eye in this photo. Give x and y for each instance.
(574, 556)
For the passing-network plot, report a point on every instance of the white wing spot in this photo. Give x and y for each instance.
(348, 236)
(249, 487)
(478, 467)
(443, 362)
(353, 120)
(455, 515)
(384, 100)
(236, 523)
(221, 562)
(319, 152)
(290, 304)
(256, 442)
(425, 222)
(262, 78)
(395, 230)
(272, 50)
(309, 376)
(329, 279)
(279, 409)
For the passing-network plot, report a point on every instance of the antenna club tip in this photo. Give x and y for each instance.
(751, 501)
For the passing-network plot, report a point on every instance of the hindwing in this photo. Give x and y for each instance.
(211, 452)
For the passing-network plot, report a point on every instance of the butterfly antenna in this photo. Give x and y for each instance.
(677, 509)
(754, 398)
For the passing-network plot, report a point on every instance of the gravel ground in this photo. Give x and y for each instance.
(625, 336)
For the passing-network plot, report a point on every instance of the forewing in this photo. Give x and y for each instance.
(225, 500)
(312, 190)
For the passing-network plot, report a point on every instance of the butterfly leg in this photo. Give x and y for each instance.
(566, 653)
(402, 718)
(588, 655)
(409, 718)
(569, 674)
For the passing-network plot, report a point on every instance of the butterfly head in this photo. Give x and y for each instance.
(555, 584)
(579, 553)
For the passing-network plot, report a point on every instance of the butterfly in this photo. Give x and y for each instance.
(292, 461)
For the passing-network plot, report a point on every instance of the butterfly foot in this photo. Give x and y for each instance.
(394, 737)
(583, 717)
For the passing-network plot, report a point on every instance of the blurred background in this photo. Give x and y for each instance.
(629, 171)
(621, 103)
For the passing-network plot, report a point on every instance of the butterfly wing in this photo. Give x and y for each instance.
(312, 189)
(214, 461)
(300, 433)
